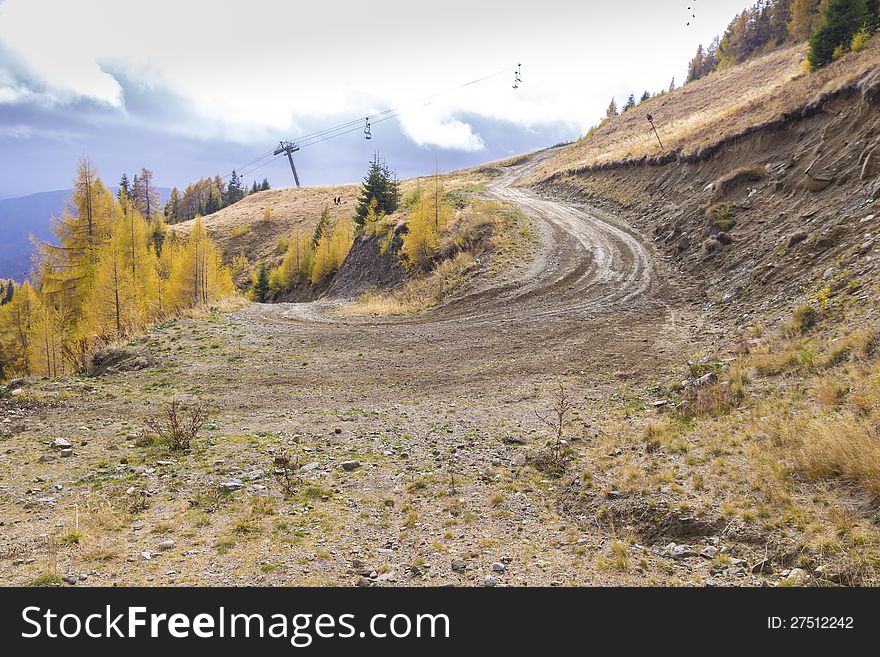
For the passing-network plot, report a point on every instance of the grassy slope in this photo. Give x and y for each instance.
(722, 104)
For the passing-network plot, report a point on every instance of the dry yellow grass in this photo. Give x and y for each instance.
(242, 227)
(722, 104)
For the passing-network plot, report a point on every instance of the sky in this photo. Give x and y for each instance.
(193, 89)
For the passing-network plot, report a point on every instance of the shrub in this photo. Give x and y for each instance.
(860, 40)
(178, 428)
(802, 319)
(239, 231)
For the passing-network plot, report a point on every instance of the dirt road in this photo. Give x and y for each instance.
(434, 416)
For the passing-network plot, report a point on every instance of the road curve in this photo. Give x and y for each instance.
(586, 266)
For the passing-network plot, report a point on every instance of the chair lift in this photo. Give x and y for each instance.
(516, 77)
(367, 134)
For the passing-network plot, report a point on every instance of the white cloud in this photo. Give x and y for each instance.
(249, 70)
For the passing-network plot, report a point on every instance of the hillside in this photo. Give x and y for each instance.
(715, 108)
(242, 227)
(21, 217)
(655, 370)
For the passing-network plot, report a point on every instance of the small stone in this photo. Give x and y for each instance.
(795, 238)
(364, 581)
(798, 577)
(146, 555)
(348, 466)
(709, 551)
(490, 581)
(166, 545)
(518, 460)
(763, 567)
(70, 579)
(498, 567)
(310, 466)
(459, 566)
(231, 485)
(60, 443)
(66, 453)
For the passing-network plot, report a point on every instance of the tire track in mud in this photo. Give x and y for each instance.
(587, 266)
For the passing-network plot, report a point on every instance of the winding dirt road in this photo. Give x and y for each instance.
(438, 411)
(586, 266)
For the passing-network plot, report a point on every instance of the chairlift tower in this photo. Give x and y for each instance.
(289, 147)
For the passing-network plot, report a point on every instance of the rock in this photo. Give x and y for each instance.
(47, 458)
(314, 465)
(459, 566)
(364, 581)
(60, 443)
(70, 579)
(818, 181)
(490, 581)
(709, 551)
(166, 545)
(724, 238)
(231, 485)
(348, 466)
(871, 167)
(683, 243)
(146, 555)
(763, 567)
(825, 572)
(498, 567)
(16, 392)
(518, 460)
(795, 238)
(797, 577)
(66, 453)
(390, 576)
(515, 440)
(113, 360)
(711, 245)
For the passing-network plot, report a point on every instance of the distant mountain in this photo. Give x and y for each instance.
(25, 215)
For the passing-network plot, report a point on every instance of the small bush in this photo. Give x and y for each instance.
(177, 428)
(860, 40)
(802, 319)
(239, 231)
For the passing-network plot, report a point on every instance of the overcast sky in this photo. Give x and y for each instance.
(191, 88)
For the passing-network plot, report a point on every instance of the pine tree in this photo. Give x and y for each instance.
(145, 196)
(841, 20)
(630, 103)
(124, 189)
(261, 285)
(172, 207)
(234, 191)
(672, 85)
(264, 186)
(379, 184)
(612, 111)
(645, 96)
(805, 17)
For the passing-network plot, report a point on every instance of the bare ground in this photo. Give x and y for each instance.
(438, 411)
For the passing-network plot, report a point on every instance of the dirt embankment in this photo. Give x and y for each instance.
(754, 218)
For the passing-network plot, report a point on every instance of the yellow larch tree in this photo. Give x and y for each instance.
(428, 217)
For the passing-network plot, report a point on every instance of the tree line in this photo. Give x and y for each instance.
(201, 198)
(832, 27)
(113, 270)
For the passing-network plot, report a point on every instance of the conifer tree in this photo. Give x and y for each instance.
(841, 20)
(379, 184)
(261, 284)
(612, 110)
